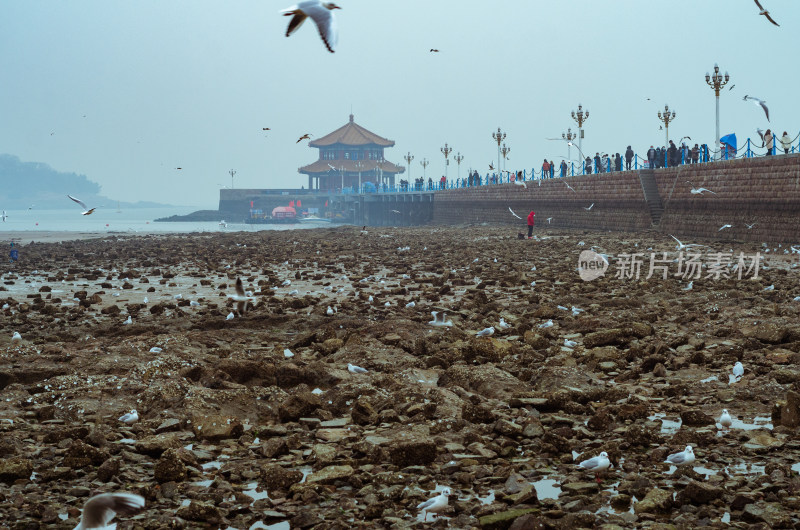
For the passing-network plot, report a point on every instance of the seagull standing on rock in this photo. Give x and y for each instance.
(725, 419)
(435, 504)
(596, 464)
(684, 457)
(486, 332)
(353, 369)
(129, 417)
(738, 369)
(322, 15)
(101, 509)
(16, 338)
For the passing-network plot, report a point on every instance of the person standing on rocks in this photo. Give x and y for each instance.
(530, 224)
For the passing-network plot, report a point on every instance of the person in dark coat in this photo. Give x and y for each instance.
(563, 168)
(552, 169)
(672, 155)
(587, 165)
(598, 164)
(695, 154)
(651, 157)
(628, 158)
(618, 161)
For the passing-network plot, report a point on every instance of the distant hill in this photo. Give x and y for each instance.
(27, 183)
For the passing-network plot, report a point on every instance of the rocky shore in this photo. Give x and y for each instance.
(253, 420)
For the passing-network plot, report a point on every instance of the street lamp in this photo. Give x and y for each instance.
(666, 118)
(458, 158)
(717, 81)
(580, 117)
(569, 136)
(408, 158)
(499, 136)
(446, 152)
(359, 165)
(232, 173)
(505, 150)
(424, 163)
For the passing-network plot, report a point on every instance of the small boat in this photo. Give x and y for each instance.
(313, 219)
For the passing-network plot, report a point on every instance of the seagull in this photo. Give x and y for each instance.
(596, 464)
(684, 457)
(681, 246)
(156, 349)
(521, 183)
(761, 134)
(16, 337)
(241, 297)
(590, 207)
(548, 220)
(353, 369)
(723, 227)
(4, 216)
(265, 129)
(699, 191)
(512, 213)
(434, 50)
(411, 304)
(435, 504)
(762, 11)
(731, 88)
(485, 332)
(759, 102)
(548, 324)
(491, 167)
(440, 321)
(129, 417)
(725, 419)
(286, 282)
(145, 300)
(230, 316)
(738, 369)
(503, 324)
(570, 343)
(223, 224)
(87, 210)
(128, 322)
(322, 15)
(101, 509)
(329, 311)
(570, 187)
(750, 226)
(306, 136)
(689, 286)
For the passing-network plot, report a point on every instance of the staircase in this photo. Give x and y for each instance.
(651, 195)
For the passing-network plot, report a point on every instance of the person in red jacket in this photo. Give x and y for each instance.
(530, 224)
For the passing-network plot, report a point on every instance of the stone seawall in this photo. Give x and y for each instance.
(764, 191)
(618, 202)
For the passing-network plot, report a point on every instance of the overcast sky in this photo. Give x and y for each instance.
(125, 92)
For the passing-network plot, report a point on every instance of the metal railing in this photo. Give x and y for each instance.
(607, 164)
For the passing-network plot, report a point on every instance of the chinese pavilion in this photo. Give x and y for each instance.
(348, 157)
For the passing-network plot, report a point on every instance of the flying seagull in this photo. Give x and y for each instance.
(520, 183)
(86, 209)
(491, 167)
(434, 50)
(761, 134)
(570, 187)
(762, 11)
(101, 509)
(306, 136)
(590, 207)
(731, 88)
(723, 227)
(241, 297)
(548, 220)
(4, 216)
(699, 191)
(749, 227)
(760, 102)
(322, 15)
(265, 129)
(512, 213)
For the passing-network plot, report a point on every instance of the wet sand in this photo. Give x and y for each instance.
(256, 419)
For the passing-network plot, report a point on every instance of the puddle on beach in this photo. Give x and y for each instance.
(744, 469)
(668, 427)
(253, 492)
(547, 488)
(759, 422)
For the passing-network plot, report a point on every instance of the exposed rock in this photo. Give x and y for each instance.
(170, 468)
(656, 501)
(12, 469)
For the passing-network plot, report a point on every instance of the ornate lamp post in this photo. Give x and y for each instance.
(359, 165)
(717, 81)
(580, 117)
(458, 158)
(424, 163)
(569, 136)
(505, 150)
(499, 136)
(232, 173)
(446, 152)
(408, 158)
(666, 118)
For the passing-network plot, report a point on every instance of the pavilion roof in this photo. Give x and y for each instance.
(352, 134)
(324, 166)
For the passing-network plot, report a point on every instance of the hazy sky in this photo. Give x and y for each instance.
(125, 92)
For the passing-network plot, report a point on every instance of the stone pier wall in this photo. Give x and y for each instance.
(764, 191)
